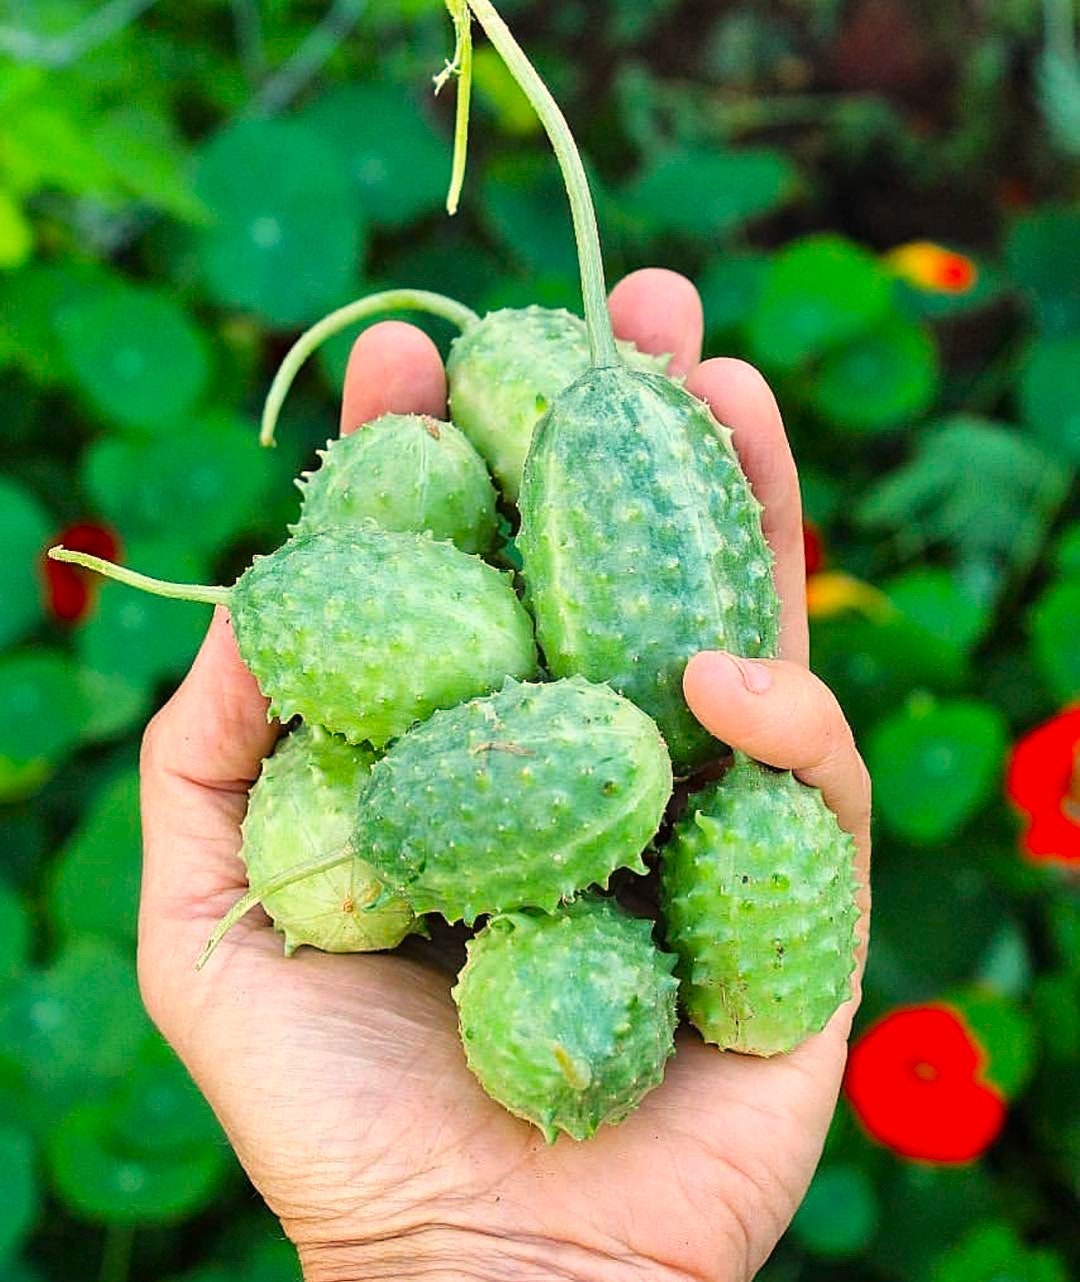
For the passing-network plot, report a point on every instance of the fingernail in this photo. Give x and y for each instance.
(755, 676)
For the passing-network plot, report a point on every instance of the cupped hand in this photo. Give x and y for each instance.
(340, 1080)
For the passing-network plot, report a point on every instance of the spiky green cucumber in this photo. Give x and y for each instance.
(518, 799)
(567, 1020)
(301, 806)
(365, 631)
(758, 897)
(404, 472)
(506, 369)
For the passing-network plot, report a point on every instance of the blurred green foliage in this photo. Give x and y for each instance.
(182, 185)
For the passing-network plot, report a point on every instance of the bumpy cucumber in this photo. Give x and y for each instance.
(506, 369)
(642, 544)
(300, 807)
(757, 891)
(518, 799)
(567, 1020)
(404, 472)
(365, 631)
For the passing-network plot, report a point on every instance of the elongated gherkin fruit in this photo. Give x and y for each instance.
(404, 472)
(758, 897)
(365, 631)
(519, 799)
(567, 1020)
(300, 807)
(505, 370)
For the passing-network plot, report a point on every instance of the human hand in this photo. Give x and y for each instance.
(340, 1080)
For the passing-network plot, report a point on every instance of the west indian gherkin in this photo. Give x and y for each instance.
(758, 898)
(640, 538)
(364, 631)
(568, 1019)
(518, 799)
(301, 806)
(404, 472)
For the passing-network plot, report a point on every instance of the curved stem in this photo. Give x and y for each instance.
(390, 300)
(159, 587)
(461, 66)
(271, 886)
(586, 232)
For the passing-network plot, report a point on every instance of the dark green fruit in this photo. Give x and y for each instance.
(301, 806)
(567, 1020)
(519, 799)
(404, 472)
(506, 369)
(365, 631)
(758, 897)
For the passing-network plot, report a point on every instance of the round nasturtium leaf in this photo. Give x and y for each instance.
(14, 936)
(20, 1203)
(135, 355)
(94, 883)
(1042, 253)
(1049, 394)
(934, 764)
(398, 161)
(880, 380)
(1055, 638)
(821, 291)
(730, 288)
(115, 702)
(839, 1214)
(935, 599)
(30, 301)
(1004, 1031)
(523, 202)
(25, 527)
(159, 1110)
(992, 1252)
(41, 711)
(1067, 552)
(286, 235)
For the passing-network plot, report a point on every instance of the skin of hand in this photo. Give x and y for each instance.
(340, 1080)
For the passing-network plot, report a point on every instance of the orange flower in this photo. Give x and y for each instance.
(832, 592)
(1043, 783)
(932, 268)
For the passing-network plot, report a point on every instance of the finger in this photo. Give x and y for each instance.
(660, 311)
(741, 399)
(393, 368)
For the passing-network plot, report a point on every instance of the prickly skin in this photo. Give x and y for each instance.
(404, 472)
(567, 1020)
(642, 544)
(365, 631)
(504, 372)
(757, 891)
(519, 799)
(300, 808)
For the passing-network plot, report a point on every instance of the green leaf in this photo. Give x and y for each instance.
(498, 91)
(1055, 999)
(524, 203)
(140, 637)
(1055, 638)
(1066, 556)
(929, 1209)
(1004, 1031)
(1042, 253)
(1049, 394)
(981, 489)
(882, 379)
(730, 288)
(398, 161)
(934, 765)
(158, 1109)
(94, 883)
(135, 355)
(21, 1202)
(993, 1253)
(41, 711)
(115, 701)
(30, 301)
(699, 193)
(932, 598)
(14, 936)
(148, 160)
(286, 236)
(839, 1214)
(25, 527)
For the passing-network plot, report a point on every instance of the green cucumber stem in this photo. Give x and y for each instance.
(283, 880)
(389, 300)
(159, 587)
(586, 233)
(460, 66)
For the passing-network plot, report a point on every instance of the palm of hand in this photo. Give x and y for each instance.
(340, 1079)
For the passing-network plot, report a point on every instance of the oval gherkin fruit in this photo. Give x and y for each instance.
(365, 631)
(567, 1020)
(300, 807)
(519, 799)
(404, 472)
(758, 897)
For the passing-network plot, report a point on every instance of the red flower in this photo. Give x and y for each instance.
(813, 547)
(68, 587)
(932, 268)
(915, 1082)
(1044, 783)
